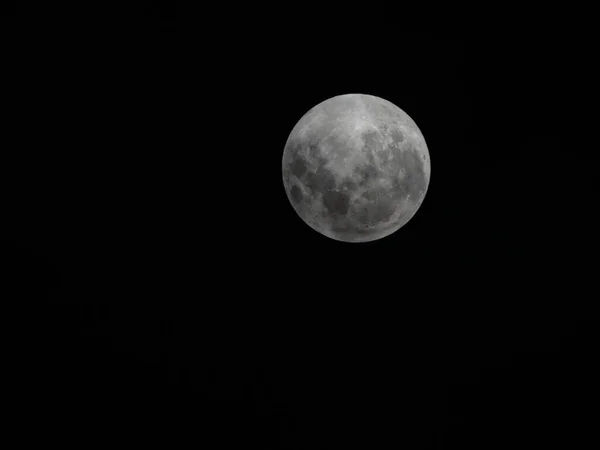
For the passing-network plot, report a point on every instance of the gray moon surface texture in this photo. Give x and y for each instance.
(356, 168)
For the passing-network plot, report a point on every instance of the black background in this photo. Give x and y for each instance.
(167, 292)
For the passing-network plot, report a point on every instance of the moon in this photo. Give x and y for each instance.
(356, 168)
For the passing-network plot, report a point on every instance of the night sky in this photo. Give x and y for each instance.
(166, 291)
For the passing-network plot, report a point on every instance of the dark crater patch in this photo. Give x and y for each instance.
(397, 136)
(372, 140)
(314, 150)
(400, 188)
(371, 194)
(366, 173)
(385, 158)
(346, 227)
(348, 185)
(296, 194)
(336, 202)
(413, 183)
(320, 181)
(338, 147)
(375, 212)
(298, 166)
(294, 147)
(394, 164)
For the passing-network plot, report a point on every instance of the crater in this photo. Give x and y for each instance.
(385, 159)
(298, 166)
(314, 150)
(338, 148)
(320, 181)
(372, 140)
(397, 136)
(348, 185)
(296, 194)
(336, 202)
(374, 213)
(347, 228)
(371, 194)
(413, 183)
(293, 148)
(366, 173)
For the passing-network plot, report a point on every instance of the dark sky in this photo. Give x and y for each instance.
(167, 291)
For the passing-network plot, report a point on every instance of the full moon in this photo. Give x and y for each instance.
(356, 168)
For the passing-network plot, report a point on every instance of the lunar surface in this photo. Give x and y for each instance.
(356, 168)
